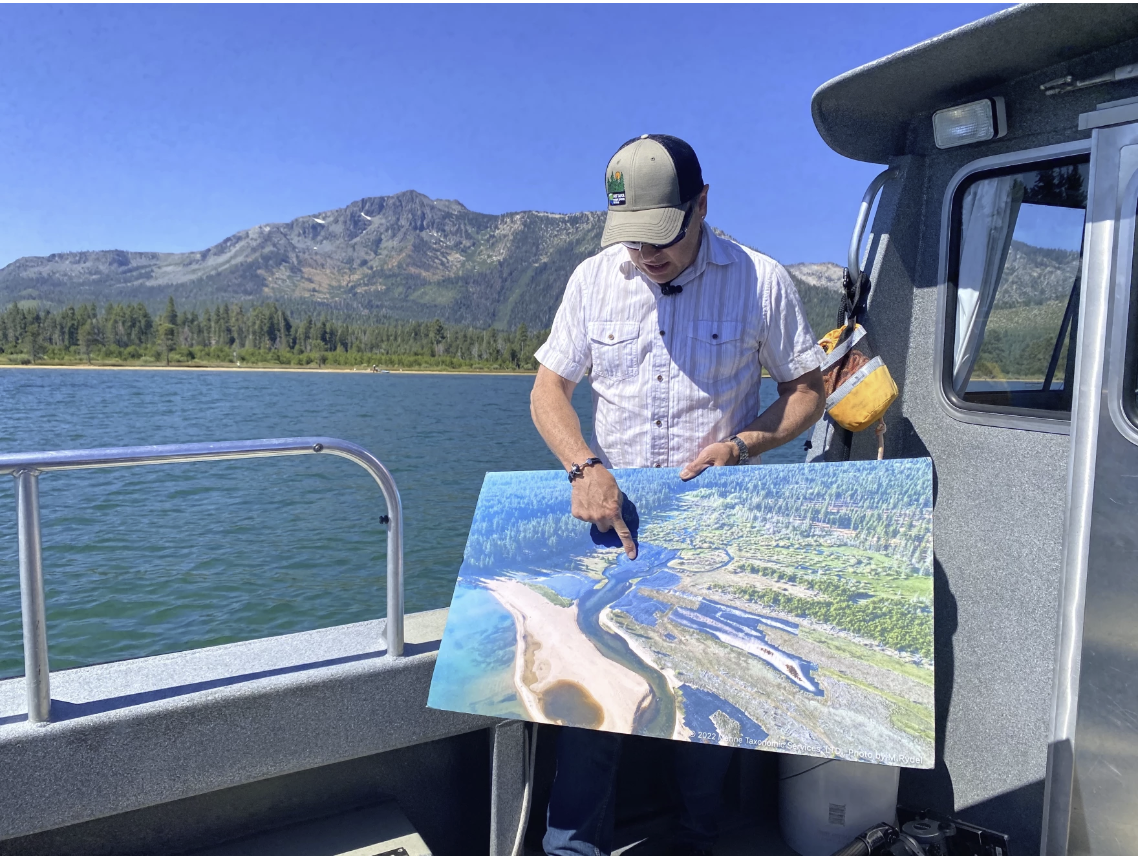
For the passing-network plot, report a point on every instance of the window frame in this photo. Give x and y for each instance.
(1016, 418)
(1122, 338)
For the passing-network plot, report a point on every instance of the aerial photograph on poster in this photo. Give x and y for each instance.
(781, 607)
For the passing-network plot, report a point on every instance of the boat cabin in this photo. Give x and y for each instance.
(1001, 261)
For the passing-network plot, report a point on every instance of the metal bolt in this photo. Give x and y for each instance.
(317, 447)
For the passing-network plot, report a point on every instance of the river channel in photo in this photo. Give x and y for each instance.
(150, 560)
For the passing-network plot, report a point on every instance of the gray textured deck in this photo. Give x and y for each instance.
(141, 732)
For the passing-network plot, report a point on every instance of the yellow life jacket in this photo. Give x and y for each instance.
(859, 387)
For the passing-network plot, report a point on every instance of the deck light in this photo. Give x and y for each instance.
(971, 123)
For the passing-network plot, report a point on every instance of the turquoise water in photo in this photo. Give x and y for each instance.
(155, 559)
(481, 661)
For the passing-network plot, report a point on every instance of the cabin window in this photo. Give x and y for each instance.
(1015, 257)
(1130, 367)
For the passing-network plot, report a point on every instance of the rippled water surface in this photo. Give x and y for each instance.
(154, 559)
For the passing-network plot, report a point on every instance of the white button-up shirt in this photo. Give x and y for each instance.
(672, 374)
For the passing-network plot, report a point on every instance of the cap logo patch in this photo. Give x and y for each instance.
(615, 188)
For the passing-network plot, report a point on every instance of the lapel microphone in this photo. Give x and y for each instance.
(670, 289)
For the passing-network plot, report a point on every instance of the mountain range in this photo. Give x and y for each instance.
(404, 256)
(1035, 276)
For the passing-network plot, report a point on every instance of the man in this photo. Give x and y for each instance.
(673, 325)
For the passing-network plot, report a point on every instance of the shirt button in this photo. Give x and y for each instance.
(658, 422)
(660, 378)
(713, 337)
(657, 465)
(661, 332)
(610, 336)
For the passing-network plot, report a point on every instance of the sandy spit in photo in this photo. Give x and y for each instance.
(551, 648)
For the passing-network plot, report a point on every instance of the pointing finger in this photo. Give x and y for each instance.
(625, 536)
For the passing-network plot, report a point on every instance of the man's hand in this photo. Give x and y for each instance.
(715, 454)
(801, 402)
(597, 499)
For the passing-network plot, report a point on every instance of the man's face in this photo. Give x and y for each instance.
(661, 265)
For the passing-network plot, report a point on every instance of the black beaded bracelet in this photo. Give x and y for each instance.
(579, 470)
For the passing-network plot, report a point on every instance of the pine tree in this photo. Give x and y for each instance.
(32, 344)
(86, 339)
(167, 336)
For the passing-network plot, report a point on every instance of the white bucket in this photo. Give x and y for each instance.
(824, 803)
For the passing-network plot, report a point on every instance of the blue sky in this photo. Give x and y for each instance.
(167, 128)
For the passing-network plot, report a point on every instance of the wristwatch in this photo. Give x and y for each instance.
(578, 471)
(744, 454)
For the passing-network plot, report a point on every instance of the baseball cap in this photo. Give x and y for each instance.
(648, 182)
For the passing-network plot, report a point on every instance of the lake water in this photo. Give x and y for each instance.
(149, 560)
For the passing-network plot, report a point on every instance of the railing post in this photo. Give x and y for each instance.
(394, 575)
(36, 673)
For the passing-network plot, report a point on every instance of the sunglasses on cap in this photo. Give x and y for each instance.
(636, 246)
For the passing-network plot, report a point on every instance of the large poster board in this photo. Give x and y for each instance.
(769, 607)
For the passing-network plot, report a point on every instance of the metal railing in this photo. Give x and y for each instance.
(854, 256)
(26, 469)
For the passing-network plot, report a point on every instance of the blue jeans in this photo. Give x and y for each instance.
(579, 820)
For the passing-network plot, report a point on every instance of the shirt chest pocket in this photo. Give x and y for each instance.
(615, 349)
(716, 349)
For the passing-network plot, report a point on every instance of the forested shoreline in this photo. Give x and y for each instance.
(258, 335)
(1017, 346)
